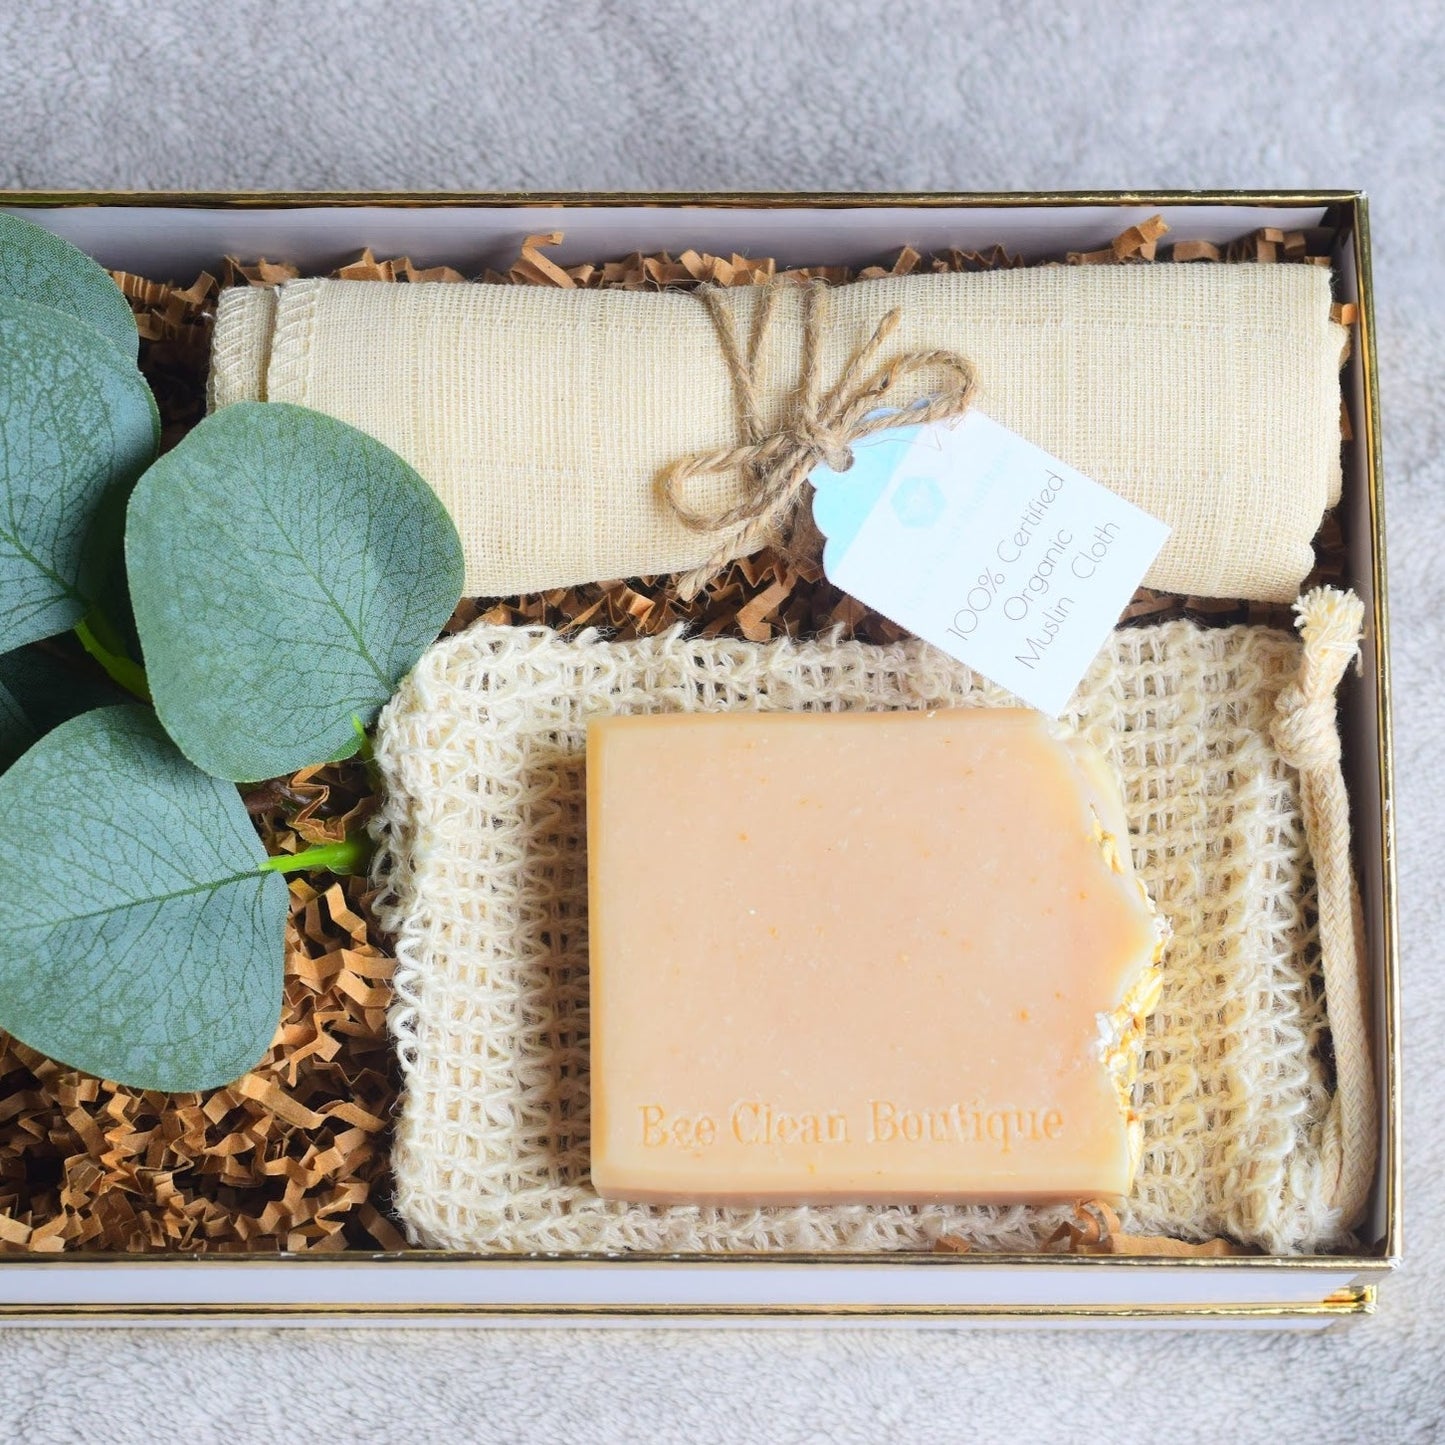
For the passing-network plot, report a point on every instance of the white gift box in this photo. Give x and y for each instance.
(177, 236)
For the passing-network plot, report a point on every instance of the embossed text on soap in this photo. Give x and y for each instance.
(881, 1121)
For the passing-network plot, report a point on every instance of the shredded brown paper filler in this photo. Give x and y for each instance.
(293, 1157)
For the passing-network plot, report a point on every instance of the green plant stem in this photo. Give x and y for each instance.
(100, 640)
(366, 754)
(351, 855)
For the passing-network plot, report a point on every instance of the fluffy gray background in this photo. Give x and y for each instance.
(1109, 93)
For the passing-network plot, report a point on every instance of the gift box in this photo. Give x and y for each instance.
(158, 236)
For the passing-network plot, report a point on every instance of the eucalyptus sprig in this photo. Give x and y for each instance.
(285, 572)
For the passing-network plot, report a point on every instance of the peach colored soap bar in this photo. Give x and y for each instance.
(861, 957)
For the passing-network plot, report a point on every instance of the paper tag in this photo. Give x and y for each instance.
(988, 547)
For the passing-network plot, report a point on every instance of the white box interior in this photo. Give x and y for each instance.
(175, 242)
(168, 243)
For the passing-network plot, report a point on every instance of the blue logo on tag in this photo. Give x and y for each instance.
(917, 501)
(843, 500)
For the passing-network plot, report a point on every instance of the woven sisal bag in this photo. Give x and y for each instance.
(1208, 395)
(485, 890)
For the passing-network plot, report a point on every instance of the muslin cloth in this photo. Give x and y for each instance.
(1207, 394)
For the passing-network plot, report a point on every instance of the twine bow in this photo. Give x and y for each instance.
(819, 428)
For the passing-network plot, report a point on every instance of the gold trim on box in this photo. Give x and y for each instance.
(1389, 1000)
(1358, 1299)
(760, 200)
(1342, 1305)
(1363, 1268)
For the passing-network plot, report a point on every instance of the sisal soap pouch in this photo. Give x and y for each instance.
(484, 873)
(1207, 394)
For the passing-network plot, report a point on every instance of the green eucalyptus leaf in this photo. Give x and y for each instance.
(77, 426)
(16, 730)
(139, 939)
(287, 571)
(37, 266)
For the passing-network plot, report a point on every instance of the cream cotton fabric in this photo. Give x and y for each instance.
(483, 864)
(1207, 394)
(241, 346)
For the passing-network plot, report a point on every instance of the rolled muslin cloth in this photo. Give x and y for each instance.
(1208, 395)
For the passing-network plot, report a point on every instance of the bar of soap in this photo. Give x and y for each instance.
(861, 957)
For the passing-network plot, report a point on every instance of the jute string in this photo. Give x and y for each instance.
(819, 426)
(1307, 735)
